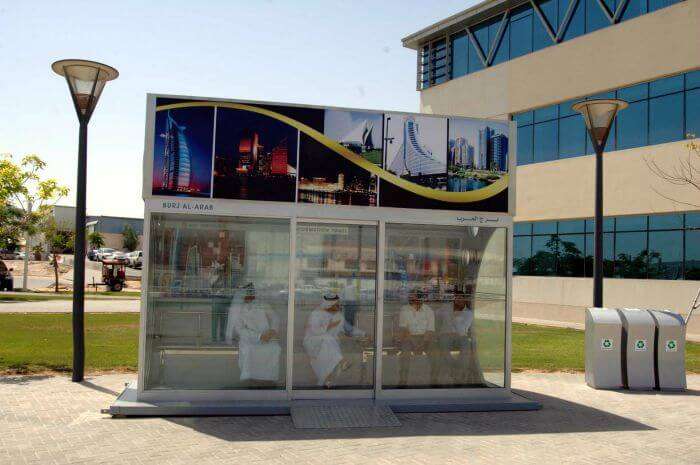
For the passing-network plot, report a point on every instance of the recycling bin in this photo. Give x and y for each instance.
(603, 346)
(669, 358)
(638, 330)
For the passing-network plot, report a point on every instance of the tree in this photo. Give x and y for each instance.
(96, 240)
(685, 173)
(58, 241)
(130, 239)
(29, 197)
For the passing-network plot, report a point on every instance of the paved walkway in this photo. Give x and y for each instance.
(51, 420)
(66, 306)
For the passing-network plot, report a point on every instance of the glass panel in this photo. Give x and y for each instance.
(631, 255)
(634, 93)
(525, 145)
(666, 86)
(692, 220)
(666, 255)
(666, 119)
(673, 221)
(544, 252)
(334, 306)
(658, 4)
(521, 36)
(692, 254)
(566, 110)
(523, 118)
(217, 302)
(541, 38)
(444, 297)
(572, 137)
(634, 8)
(460, 54)
(570, 252)
(632, 126)
(608, 224)
(481, 34)
(608, 254)
(577, 24)
(595, 17)
(546, 113)
(503, 46)
(545, 142)
(571, 226)
(692, 80)
(522, 250)
(692, 113)
(522, 229)
(544, 227)
(631, 223)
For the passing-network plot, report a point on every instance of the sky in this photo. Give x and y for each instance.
(331, 52)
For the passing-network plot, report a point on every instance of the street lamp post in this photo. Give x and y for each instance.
(599, 115)
(86, 80)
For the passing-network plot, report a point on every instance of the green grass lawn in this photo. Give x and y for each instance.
(31, 343)
(43, 296)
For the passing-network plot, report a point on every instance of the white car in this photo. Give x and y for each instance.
(117, 255)
(104, 253)
(135, 259)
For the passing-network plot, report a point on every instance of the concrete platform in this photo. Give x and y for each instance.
(126, 405)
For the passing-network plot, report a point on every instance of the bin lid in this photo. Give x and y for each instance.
(636, 317)
(667, 318)
(604, 316)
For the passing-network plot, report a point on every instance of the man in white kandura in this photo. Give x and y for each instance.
(257, 327)
(454, 325)
(416, 330)
(321, 339)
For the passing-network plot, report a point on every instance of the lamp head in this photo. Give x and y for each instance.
(599, 115)
(86, 80)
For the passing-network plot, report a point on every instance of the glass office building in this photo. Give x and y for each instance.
(529, 61)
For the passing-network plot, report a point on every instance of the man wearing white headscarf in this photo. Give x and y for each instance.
(321, 339)
(258, 328)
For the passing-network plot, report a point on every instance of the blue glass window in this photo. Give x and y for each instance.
(572, 226)
(522, 228)
(631, 255)
(460, 54)
(666, 255)
(634, 93)
(692, 80)
(540, 37)
(481, 34)
(572, 137)
(692, 254)
(608, 255)
(570, 255)
(544, 251)
(566, 110)
(523, 118)
(545, 141)
(632, 126)
(525, 146)
(672, 221)
(631, 223)
(503, 46)
(634, 8)
(608, 224)
(666, 119)
(692, 220)
(546, 113)
(577, 23)
(658, 4)
(692, 113)
(521, 34)
(595, 17)
(666, 86)
(522, 250)
(544, 227)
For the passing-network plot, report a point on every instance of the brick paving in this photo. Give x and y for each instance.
(49, 420)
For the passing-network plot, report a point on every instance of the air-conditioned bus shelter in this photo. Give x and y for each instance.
(295, 253)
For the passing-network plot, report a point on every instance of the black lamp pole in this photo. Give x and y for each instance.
(86, 80)
(599, 115)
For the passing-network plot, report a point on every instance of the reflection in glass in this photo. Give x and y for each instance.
(444, 306)
(217, 302)
(334, 306)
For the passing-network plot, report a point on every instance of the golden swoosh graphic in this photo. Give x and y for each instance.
(427, 192)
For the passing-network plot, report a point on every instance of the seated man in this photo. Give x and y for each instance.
(454, 334)
(416, 330)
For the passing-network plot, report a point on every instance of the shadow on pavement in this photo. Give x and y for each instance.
(557, 416)
(96, 387)
(22, 380)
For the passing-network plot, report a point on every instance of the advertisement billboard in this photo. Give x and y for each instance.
(241, 150)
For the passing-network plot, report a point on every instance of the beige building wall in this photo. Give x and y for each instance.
(653, 45)
(116, 241)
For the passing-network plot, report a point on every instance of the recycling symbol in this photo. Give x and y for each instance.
(607, 344)
(640, 345)
(671, 346)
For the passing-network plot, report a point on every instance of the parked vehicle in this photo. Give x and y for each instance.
(104, 253)
(92, 255)
(9, 255)
(21, 255)
(119, 256)
(7, 283)
(113, 274)
(135, 259)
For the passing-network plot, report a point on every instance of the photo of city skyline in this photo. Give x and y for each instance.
(255, 157)
(416, 148)
(182, 151)
(359, 131)
(477, 153)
